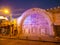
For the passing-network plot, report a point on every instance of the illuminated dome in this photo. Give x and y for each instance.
(36, 22)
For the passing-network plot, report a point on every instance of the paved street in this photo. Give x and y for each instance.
(25, 42)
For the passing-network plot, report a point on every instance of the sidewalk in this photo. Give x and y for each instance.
(44, 39)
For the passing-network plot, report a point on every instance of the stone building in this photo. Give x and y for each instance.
(35, 23)
(56, 18)
(4, 25)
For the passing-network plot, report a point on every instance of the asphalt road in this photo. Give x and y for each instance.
(25, 42)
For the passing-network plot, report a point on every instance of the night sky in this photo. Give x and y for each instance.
(26, 4)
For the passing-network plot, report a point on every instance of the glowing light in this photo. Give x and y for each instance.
(6, 11)
(36, 22)
(1, 17)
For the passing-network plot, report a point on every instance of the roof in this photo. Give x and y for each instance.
(2, 17)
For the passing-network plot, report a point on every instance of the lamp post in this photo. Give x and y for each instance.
(6, 11)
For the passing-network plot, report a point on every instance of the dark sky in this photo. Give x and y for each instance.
(26, 4)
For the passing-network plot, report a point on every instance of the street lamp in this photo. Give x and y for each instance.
(6, 11)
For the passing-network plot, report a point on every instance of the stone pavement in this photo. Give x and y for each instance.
(44, 39)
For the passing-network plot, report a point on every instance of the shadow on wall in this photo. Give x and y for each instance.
(57, 30)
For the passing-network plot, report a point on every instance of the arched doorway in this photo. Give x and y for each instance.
(36, 22)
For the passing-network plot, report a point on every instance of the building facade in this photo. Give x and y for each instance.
(36, 22)
(56, 17)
